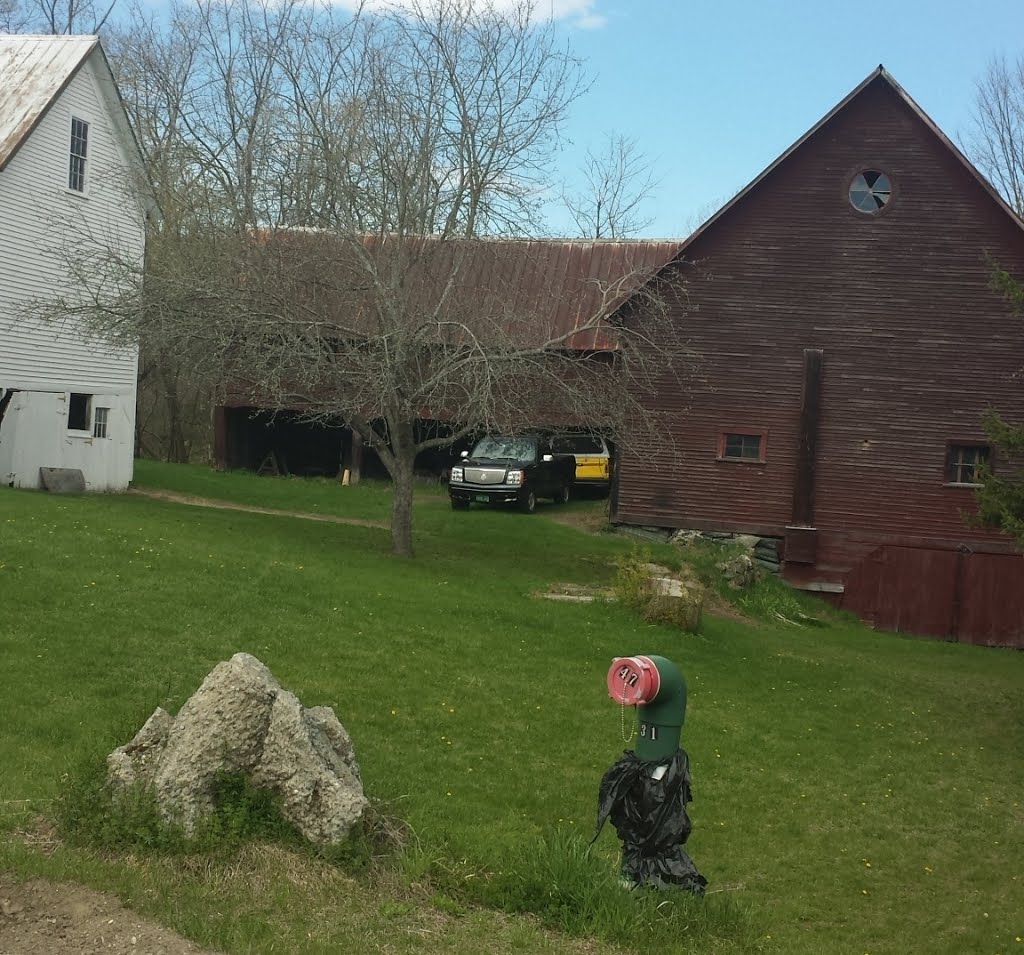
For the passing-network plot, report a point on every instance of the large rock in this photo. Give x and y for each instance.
(240, 720)
(741, 572)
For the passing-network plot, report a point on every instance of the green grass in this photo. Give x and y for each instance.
(369, 500)
(855, 791)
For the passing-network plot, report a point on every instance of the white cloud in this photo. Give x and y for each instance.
(579, 13)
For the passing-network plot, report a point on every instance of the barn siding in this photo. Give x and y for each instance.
(916, 345)
(35, 211)
(42, 362)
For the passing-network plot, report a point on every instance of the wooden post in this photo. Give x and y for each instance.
(356, 464)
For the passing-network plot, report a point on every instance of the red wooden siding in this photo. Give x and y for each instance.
(915, 344)
(977, 598)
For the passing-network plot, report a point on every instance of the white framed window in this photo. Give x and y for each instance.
(100, 418)
(78, 154)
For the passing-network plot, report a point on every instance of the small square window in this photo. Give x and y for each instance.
(79, 149)
(79, 412)
(963, 462)
(741, 446)
(99, 422)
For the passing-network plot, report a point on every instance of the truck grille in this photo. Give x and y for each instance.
(485, 475)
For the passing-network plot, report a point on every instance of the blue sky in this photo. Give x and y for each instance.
(715, 90)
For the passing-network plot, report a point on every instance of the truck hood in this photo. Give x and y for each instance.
(492, 463)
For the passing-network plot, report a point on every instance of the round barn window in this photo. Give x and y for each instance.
(870, 191)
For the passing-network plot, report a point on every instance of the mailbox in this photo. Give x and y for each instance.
(656, 688)
(645, 792)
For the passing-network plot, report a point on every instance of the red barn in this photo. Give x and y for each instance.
(849, 342)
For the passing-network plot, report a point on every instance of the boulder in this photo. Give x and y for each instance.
(241, 721)
(136, 761)
(740, 572)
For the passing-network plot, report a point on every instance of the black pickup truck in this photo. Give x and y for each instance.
(511, 468)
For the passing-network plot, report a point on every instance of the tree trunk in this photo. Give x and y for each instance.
(401, 505)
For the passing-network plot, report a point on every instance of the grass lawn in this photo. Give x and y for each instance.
(855, 791)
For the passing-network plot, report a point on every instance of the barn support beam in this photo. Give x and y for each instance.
(355, 466)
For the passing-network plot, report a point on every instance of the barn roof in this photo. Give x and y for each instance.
(33, 72)
(878, 75)
(536, 289)
(565, 283)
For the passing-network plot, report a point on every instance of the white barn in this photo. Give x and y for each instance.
(68, 160)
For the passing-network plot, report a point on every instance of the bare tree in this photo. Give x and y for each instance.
(55, 16)
(996, 145)
(335, 188)
(995, 141)
(617, 182)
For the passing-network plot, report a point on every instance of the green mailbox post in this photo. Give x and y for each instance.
(657, 689)
(645, 792)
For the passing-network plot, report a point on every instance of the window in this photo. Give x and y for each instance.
(963, 461)
(99, 422)
(741, 446)
(578, 444)
(79, 148)
(870, 191)
(79, 412)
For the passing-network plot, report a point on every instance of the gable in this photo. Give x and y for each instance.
(38, 71)
(874, 119)
(35, 70)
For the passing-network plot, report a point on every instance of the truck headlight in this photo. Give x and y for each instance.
(456, 474)
(515, 477)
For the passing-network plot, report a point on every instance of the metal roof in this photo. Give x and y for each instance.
(550, 288)
(537, 290)
(33, 72)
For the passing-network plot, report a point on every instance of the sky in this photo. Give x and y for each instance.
(713, 91)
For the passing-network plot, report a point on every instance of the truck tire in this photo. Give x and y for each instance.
(562, 495)
(528, 502)
(459, 505)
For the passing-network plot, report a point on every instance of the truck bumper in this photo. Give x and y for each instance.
(483, 495)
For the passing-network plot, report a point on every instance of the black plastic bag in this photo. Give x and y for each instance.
(651, 819)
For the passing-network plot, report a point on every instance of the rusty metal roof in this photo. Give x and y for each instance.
(565, 283)
(538, 290)
(33, 72)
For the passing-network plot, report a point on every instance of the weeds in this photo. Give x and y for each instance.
(88, 813)
(560, 878)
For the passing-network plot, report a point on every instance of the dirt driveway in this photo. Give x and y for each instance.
(56, 918)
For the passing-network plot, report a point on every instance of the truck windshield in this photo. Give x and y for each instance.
(513, 449)
(579, 444)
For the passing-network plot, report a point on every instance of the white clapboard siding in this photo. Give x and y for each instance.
(38, 214)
